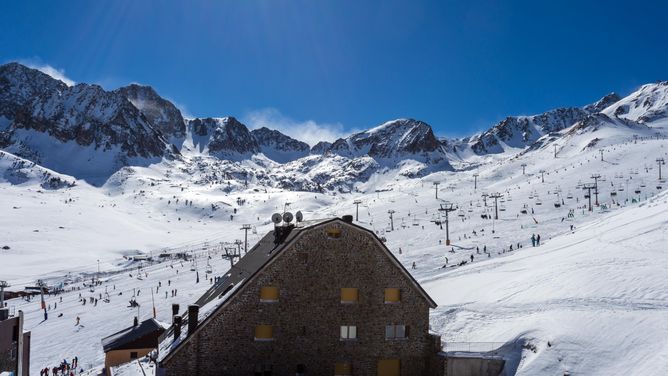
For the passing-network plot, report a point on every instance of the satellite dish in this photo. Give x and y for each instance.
(299, 216)
(287, 217)
(276, 218)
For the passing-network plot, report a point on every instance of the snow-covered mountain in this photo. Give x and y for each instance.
(278, 146)
(647, 105)
(89, 133)
(401, 138)
(224, 138)
(83, 130)
(161, 113)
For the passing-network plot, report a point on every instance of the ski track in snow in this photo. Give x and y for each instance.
(598, 294)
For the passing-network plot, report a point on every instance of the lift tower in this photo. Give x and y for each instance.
(596, 177)
(447, 207)
(496, 197)
(357, 209)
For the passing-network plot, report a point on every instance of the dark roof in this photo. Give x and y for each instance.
(266, 249)
(145, 335)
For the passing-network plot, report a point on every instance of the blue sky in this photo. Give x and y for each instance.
(329, 67)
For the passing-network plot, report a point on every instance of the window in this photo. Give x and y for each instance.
(263, 370)
(396, 331)
(349, 295)
(389, 367)
(342, 369)
(269, 294)
(392, 296)
(333, 232)
(133, 355)
(348, 332)
(264, 333)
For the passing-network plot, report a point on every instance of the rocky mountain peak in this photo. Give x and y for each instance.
(161, 113)
(224, 137)
(602, 103)
(278, 146)
(388, 140)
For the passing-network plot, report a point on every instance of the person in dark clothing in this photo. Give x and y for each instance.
(538, 240)
(533, 240)
(471, 257)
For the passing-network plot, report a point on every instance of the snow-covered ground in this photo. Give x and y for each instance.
(597, 293)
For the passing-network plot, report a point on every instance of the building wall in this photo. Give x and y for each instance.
(116, 357)
(9, 343)
(307, 318)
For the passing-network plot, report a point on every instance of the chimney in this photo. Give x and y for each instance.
(175, 311)
(347, 218)
(193, 317)
(177, 326)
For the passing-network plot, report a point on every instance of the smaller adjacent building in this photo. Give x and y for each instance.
(131, 343)
(14, 344)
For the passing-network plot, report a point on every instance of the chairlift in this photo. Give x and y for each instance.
(569, 196)
(637, 191)
(209, 269)
(613, 193)
(502, 208)
(557, 204)
(523, 211)
(461, 213)
(538, 202)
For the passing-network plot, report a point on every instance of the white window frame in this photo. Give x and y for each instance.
(348, 333)
(393, 330)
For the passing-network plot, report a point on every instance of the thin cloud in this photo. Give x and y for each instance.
(58, 74)
(308, 131)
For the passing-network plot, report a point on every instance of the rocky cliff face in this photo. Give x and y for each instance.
(278, 146)
(646, 105)
(161, 113)
(224, 137)
(391, 140)
(45, 121)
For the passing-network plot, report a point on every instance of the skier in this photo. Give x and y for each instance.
(471, 257)
(533, 240)
(413, 265)
(78, 320)
(538, 240)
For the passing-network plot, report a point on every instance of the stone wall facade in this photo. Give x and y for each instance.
(307, 317)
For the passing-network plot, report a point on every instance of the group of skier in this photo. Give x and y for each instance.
(65, 368)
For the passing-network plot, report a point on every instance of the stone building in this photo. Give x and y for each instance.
(319, 298)
(14, 344)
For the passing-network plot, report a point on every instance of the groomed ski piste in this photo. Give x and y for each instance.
(591, 300)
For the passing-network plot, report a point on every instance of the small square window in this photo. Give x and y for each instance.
(264, 333)
(348, 332)
(349, 295)
(392, 295)
(333, 232)
(342, 369)
(269, 294)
